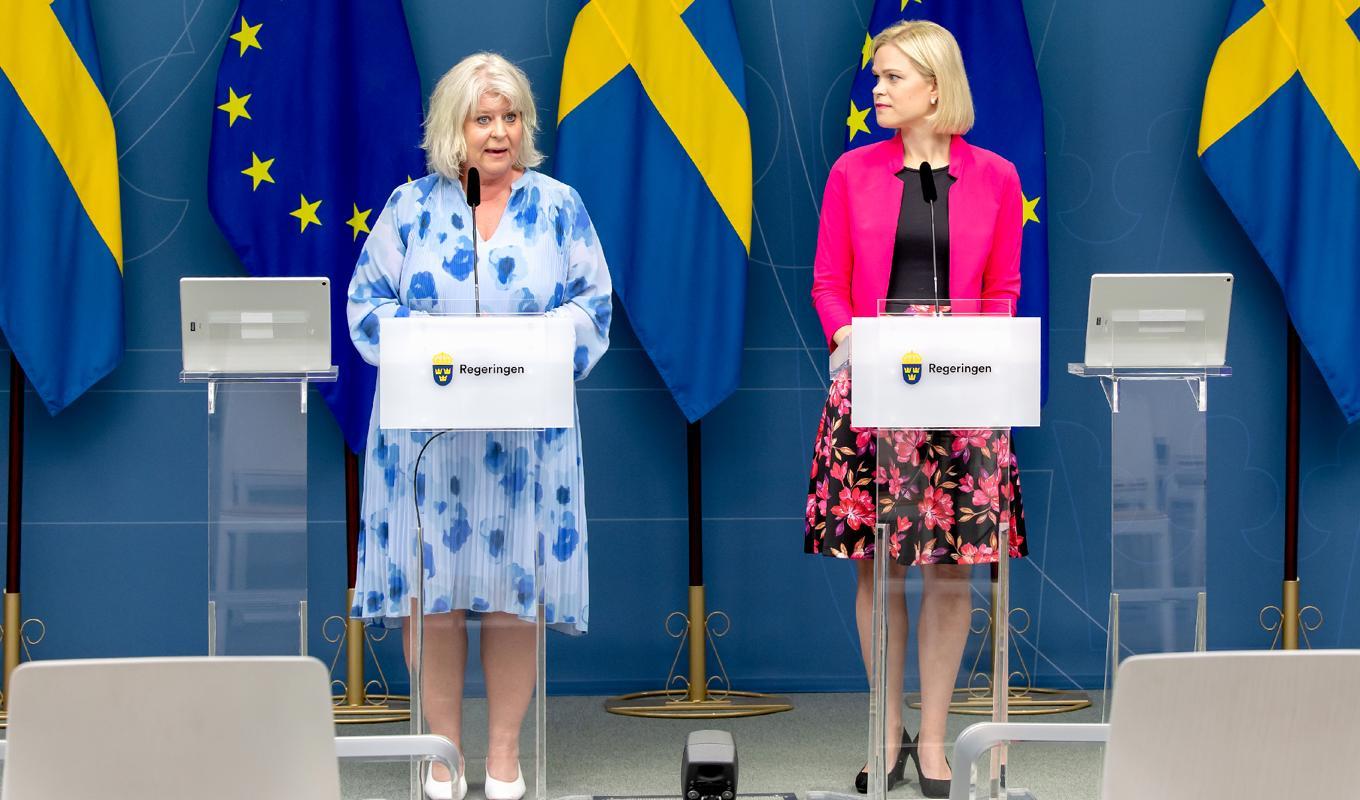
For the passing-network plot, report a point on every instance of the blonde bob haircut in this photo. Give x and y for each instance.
(935, 54)
(455, 99)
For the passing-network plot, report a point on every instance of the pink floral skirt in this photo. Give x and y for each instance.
(946, 496)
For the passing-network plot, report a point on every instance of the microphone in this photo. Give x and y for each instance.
(929, 194)
(928, 183)
(474, 199)
(474, 187)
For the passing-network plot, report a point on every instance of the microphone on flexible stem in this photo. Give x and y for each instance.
(929, 194)
(474, 199)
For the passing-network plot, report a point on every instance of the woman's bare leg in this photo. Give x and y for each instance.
(898, 626)
(444, 663)
(941, 634)
(510, 661)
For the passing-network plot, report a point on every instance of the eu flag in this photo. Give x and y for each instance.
(61, 240)
(318, 115)
(652, 132)
(1009, 114)
(1280, 138)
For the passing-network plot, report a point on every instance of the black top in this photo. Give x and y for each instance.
(912, 274)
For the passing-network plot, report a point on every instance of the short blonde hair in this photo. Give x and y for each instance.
(935, 54)
(454, 100)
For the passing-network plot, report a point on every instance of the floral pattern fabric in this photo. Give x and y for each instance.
(493, 505)
(946, 496)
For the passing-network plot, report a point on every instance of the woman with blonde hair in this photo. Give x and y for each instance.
(940, 498)
(492, 504)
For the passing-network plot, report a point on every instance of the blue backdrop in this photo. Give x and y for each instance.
(116, 491)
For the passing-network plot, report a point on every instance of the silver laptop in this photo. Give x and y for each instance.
(255, 324)
(1177, 320)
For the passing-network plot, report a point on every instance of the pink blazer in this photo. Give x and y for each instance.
(859, 225)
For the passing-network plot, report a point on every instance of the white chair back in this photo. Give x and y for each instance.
(1239, 725)
(156, 729)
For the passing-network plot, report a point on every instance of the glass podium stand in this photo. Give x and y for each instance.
(257, 510)
(928, 380)
(1158, 511)
(491, 554)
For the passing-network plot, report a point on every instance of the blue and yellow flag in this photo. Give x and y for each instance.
(61, 237)
(1009, 114)
(317, 118)
(1280, 138)
(652, 132)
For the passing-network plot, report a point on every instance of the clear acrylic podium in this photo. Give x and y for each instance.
(932, 382)
(257, 510)
(1158, 511)
(478, 657)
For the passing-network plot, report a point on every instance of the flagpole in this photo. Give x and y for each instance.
(1289, 601)
(354, 628)
(687, 695)
(13, 613)
(698, 612)
(355, 704)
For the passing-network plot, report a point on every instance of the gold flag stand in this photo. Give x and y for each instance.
(1291, 622)
(696, 694)
(358, 700)
(17, 640)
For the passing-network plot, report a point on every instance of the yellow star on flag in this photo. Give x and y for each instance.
(866, 53)
(248, 36)
(856, 120)
(1030, 205)
(258, 171)
(905, 2)
(306, 213)
(235, 106)
(359, 222)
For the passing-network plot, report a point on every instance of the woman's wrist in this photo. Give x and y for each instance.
(841, 334)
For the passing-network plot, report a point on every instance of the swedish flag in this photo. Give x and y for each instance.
(1280, 138)
(316, 119)
(652, 132)
(61, 240)
(1010, 113)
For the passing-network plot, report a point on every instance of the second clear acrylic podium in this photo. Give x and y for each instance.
(1155, 367)
(257, 510)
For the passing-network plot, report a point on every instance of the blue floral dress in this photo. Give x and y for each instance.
(489, 501)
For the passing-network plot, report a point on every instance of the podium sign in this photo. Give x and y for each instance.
(476, 373)
(945, 372)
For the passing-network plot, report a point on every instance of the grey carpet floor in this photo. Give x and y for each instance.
(816, 747)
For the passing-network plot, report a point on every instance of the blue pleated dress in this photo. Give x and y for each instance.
(491, 503)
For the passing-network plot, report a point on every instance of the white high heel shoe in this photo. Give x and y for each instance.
(505, 790)
(444, 790)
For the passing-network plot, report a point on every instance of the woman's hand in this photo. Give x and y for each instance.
(842, 333)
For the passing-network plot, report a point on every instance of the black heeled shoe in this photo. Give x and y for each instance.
(934, 788)
(895, 775)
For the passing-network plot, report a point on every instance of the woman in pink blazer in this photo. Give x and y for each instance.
(874, 243)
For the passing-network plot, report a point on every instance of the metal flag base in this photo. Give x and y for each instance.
(1292, 622)
(354, 702)
(17, 640)
(692, 696)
